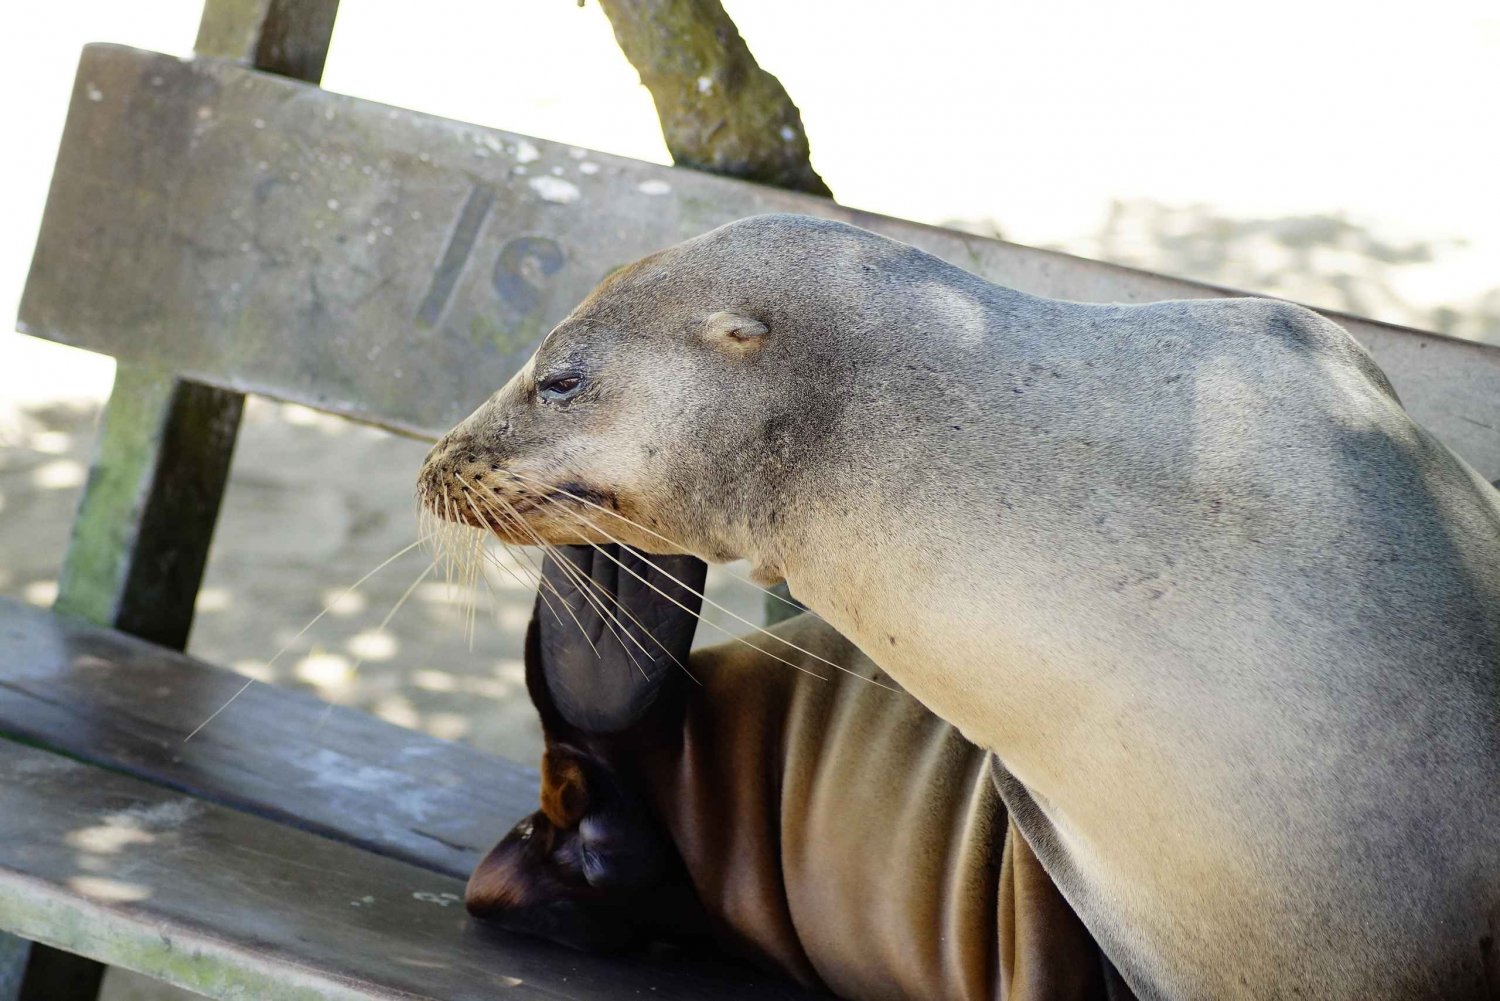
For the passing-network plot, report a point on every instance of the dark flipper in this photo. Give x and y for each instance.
(604, 683)
(591, 868)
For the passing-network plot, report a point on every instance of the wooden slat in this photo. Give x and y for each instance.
(104, 697)
(267, 236)
(141, 539)
(144, 525)
(233, 906)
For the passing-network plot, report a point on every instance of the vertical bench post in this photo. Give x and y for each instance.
(140, 542)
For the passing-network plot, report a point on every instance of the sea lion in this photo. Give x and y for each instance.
(1226, 615)
(830, 828)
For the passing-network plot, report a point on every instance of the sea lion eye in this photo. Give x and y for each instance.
(563, 386)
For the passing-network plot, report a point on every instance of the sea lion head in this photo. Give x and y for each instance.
(656, 413)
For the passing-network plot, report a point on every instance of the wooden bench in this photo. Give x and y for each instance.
(222, 226)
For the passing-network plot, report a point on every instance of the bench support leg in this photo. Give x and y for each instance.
(141, 538)
(30, 971)
(52, 975)
(13, 954)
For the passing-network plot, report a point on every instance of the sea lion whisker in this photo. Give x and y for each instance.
(635, 524)
(303, 631)
(465, 542)
(739, 618)
(454, 534)
(572, 573)
(581, 631)
(585, 583)
(611, 621)
(482, 554)
(714, 625)
(449, 550)
(528, 581)
(519, 568)
(342, 595)
(358, 663)
(619, 606)
(474, 575)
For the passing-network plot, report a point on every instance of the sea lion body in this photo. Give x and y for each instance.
(830, 828)
(857, 841)
(1225, 613)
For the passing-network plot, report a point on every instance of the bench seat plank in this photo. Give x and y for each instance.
(111, 699)
(261, 234)
(235, 906)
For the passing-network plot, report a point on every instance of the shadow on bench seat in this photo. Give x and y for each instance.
(113, 700)
(196, 863)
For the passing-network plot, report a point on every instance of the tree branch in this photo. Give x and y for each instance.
(719, 111)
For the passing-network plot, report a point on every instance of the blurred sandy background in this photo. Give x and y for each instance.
(1336, 152)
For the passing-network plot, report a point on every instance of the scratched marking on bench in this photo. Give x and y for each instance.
(460, 245)
(520, 270)
(522, 263)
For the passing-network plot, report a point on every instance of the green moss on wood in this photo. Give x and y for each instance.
(94, 569)
(720, 112)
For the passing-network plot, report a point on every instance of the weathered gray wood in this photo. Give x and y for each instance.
(147, 515)
(144, 525)
(104, 697)
(289, 37)
(234, 906)
(396, 267)
(141, 538)
(13, 954)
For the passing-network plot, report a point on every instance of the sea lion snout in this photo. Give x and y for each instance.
(537, 462)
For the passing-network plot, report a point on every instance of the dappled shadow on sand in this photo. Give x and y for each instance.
(1322, 259)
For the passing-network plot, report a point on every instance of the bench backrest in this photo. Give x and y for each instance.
(221, 230)
(254, 232)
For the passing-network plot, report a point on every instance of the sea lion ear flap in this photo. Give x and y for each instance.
(734, 331)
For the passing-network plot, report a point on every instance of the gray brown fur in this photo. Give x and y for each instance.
(1242, 610)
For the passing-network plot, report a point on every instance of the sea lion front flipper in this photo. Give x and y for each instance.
(591, 868)
(611, 624)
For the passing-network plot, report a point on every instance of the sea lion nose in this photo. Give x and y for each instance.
(440, 466)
